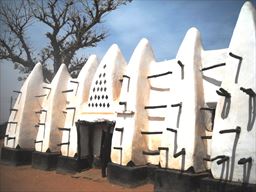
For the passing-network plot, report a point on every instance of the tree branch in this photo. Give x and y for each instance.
(71, 25)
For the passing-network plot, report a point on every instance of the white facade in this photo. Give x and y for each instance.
(21, 128)
(197, 110)
(77, 92)
(236, 110)
(52, 113)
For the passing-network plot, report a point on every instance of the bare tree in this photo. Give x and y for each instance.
(72, 24)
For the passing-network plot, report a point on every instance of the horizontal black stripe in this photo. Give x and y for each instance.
(70, 108)
(176, 105)
(213, 66)
(67, 91)
(163, 148)
(155, 107)
(206, 137)
(172, 130)
(9, 138)
(226, 158)
(151, 152)
(67, 143)
(207, 109)
(248, 91)
(118, 148)
(12, 122)
(236, 130)
(126, 76)
(151, 133)
(64, 129)
(159, 75)
(74, 81)
(214, 158)
(235, 56)
(244, 161)
(38, 141)
(119, 129)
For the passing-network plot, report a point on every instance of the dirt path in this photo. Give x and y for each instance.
(25, 178)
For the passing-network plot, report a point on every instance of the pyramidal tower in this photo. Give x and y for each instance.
(233, 143)
(184, 124)
(21, 128)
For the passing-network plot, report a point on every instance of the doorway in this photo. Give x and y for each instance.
(94, 142)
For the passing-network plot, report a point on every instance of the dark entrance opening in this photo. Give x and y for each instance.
(94, 142)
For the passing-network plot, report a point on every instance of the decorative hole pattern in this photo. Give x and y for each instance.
(98, 96)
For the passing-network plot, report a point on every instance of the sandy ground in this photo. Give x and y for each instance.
(26, 178)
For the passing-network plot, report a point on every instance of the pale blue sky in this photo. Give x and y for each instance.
(163, 22)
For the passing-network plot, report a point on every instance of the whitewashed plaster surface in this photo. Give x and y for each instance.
(157, 106)
(159, 78)
(22, 120)
(52, 116)
(213, 77)
(184, 115)
(241, 112)
(128, 144)
(77, 91)
(104, 91)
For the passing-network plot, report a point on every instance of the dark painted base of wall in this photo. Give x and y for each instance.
(213, 185)
(45, 161)
(96, 163)
(127, 176)
(72, 165)
(16, 156)
(151, 170)
(173, 180)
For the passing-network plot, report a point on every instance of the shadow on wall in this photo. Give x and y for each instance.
(2, 130)
(252, 112)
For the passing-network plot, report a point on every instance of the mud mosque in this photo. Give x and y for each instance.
(184, 124)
